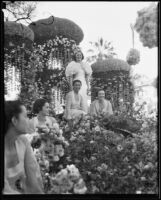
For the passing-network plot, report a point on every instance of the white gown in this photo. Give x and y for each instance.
(79, 71)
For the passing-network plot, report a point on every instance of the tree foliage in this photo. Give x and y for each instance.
(146, 25)
(100, 50)
(20, 10)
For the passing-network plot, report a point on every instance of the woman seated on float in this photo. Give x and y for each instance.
(75, 107)
(42, 120)
(21, 170)
(101, 106)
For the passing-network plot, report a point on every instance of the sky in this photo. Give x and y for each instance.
(110, 20)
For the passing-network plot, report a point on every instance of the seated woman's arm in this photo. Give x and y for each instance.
(92, 109)
(31, 126)
(82, 105)
(109, 110)
(33, 176)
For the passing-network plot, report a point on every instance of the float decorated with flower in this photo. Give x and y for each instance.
(96, 157)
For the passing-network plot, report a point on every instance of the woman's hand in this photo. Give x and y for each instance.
(44, 129)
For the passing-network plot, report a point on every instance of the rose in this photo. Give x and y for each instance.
(56, 158)
(72, 138)
(80, 188)
(73, 172)
(104, 166)
(97, 129)
(119, 148)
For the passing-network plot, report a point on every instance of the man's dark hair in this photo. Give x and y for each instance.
(77, 81)
(12, 109)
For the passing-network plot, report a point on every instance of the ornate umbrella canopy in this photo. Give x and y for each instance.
(112, 75)
(51, 27)
(16, 34)
(110, 65)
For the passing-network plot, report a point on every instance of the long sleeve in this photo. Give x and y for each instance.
(34, 180)
(93, 109)
(82, 105)
(87, 68)
(32, 125)
(70, 69)
(109, 109)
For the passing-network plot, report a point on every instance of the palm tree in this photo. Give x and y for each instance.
(100, 50)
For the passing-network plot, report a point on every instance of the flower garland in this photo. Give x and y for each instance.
(36, 69)
(133, 57)
(54, 55)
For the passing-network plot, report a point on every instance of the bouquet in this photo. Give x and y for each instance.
(68, 181)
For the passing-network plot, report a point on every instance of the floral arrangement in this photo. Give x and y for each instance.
(133, 57)
(68, 181)
(50, 142)
(49, 147)
(111, 163)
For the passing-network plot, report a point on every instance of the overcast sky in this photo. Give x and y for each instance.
(111, 20)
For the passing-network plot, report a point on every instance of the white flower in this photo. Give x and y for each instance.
(72, 138)
(47, 163)
(60, 132)
(80, 191)
(106, 148)
(97, 129)
(99, 169)
(66, 143)
(61, 153)
(126, 159)
(93, 158)
(56, 158)
(119, 148)
(55, 126)
(73, 172)
(80, 188)
(104, 166)
(143, 178)
(60, 176)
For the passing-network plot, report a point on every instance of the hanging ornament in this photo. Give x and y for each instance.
(133, 56)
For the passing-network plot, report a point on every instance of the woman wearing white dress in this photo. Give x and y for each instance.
(21, 170)
(42, 120)
(78, 70)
